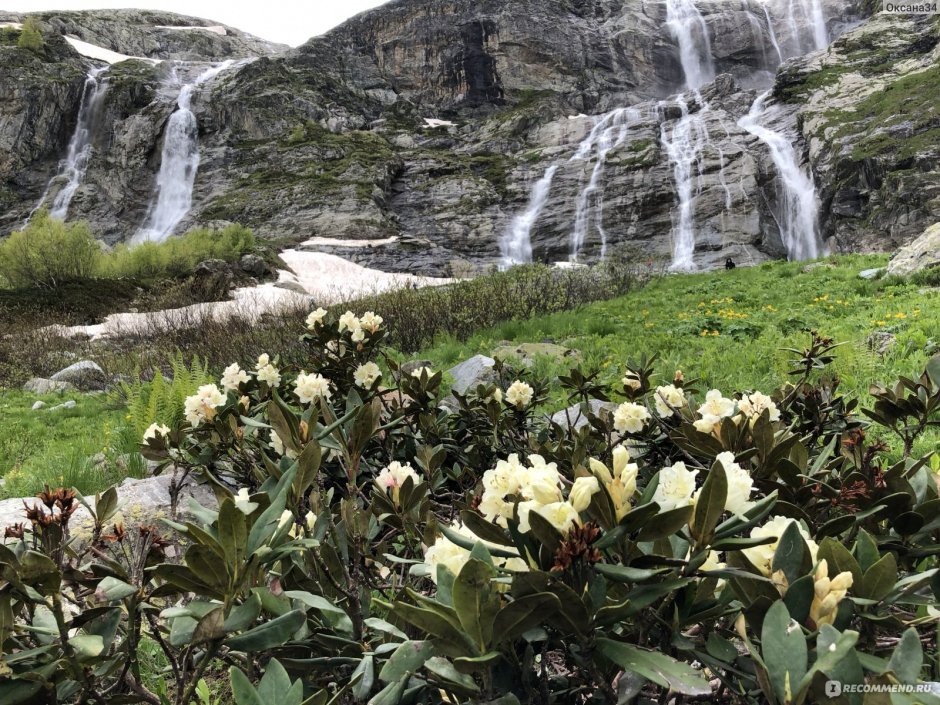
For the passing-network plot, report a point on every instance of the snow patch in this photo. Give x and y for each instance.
(14, 25)
(430, 123)
(93, 51)
(336, 242)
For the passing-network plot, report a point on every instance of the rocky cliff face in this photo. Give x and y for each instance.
(419, 129)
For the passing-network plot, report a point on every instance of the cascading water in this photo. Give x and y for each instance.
(179, 162)
(812, 14)
(772, 33)
(516, 244)
(609, 133)
(798, 207)
(72, 169)
(685, 143)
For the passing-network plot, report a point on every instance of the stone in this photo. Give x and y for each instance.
(574, 418)
(881, 341)
(40, 385)
(38, 405)
(469, 373)
(253, 264)
(84, 375)
(70, 404)
(143, 501)
(211, 267)
(871, 273)
(922, 253)
(813, 266)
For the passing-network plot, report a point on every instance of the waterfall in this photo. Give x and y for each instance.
(812, 14)
(798, 207)
(609, 133)
(685, 145)
(689, 135)
(688, 28)
(72, 169)
(179, 162)
(773, 34)
(516, 244)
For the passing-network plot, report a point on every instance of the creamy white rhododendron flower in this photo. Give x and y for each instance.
(201, 406)
(243, 501)
(631, 381)
(740, 485)
(753, 405)
(581, 492)
(537, 484)
(762, 557)
(446, 553)
(277, 443)
(358, 335)
(541, 481)
(391, 478)
(370, 322)
(156, 430)
(233, 376)
(519, 394)
(286, 518)
(308, 388)
(316, 318)
(630, 417)
(365, 375)
(715, 408)
(621, 484)
(421, 371)
(561, 515)
(667, 398)
(349, 321)
(676, 487)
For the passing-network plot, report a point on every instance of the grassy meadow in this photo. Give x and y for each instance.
(728, 329)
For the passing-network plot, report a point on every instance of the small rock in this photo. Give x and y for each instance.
(253, 264)
(39, 385)
(573, 418)
(85, 375)
(210, 266)
(806, 269)
(38, 405)
(881, 341)
(469, 373)
(70, 404)
(870, 273)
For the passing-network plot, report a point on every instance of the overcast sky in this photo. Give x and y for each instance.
(288, 21)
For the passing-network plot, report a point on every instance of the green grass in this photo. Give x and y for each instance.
(54, 447)
(728, 328)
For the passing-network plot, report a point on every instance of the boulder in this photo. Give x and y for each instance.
(40, 385)
(574, 418)
(84, 375)
(870, 273)
(253, 264)
(141, 502)
(70, 404)
(922, 253)
(469, 373)
(38, 405)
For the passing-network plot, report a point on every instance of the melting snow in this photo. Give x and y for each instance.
(433, 122)
(336, 242)
(93, 51)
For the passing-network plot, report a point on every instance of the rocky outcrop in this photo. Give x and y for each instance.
(868, 108)
(410, 138)
(923, 253)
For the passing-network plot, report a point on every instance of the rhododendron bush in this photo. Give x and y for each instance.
(372, 545)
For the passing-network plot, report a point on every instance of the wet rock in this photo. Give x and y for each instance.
(253, 264)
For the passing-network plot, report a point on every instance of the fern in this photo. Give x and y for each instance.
(162, 400)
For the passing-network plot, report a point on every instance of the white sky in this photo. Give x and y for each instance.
(288, 21)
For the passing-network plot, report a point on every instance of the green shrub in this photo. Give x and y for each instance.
(31, 36)
(48, 252)
(161, 399)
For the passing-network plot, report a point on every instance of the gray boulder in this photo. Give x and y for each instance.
(70, 404)
(924, 252)
(574, 418)
(84, 375)
(870, 273)
(469, 373)
(40, 385)
(253, 264)
(38, 405)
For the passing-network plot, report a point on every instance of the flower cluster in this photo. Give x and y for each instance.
(621, 483)
(740, 485)
(762, 557)
(630, 417)
(446, 553)
(391, 478)
(358, 328)
(519, 394)
(537, 487)
(202, 405)
(669, 399)
(715, 408)
(753, 405)
(309, 388)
